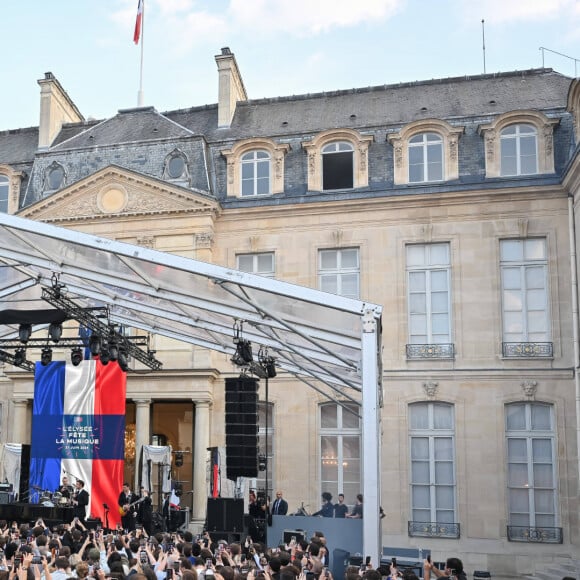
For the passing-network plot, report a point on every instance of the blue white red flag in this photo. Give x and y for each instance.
(138, 22)
(78, 430)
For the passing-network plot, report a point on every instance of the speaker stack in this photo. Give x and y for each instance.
(241, 427)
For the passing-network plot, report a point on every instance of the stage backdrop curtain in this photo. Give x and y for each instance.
(159, 455)
(78, 429)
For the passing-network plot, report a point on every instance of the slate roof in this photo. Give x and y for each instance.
(18, 145)
(484, 95)
(128, 126)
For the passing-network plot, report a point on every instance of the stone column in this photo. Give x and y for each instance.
(142, 431)
(201, 443)
(20, 431)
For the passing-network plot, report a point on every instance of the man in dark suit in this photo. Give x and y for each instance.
(80, 500)
(280, 505)
(145, 513)
(126, 500)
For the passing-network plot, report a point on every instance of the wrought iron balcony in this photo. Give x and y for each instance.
(434, 530)
(528, 349)
(539, 535)
(430, 351)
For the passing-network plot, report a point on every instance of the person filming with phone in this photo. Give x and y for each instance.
(453, 569)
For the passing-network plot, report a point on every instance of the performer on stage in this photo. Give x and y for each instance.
(80, 501)
(66, 489)
(126, 502)
(145, 513)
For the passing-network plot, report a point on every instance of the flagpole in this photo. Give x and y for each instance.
(140, 95)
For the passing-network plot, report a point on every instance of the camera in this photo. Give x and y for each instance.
(143, 557)
(169, 574)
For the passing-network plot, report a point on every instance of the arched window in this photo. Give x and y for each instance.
(531, 457)
(425, 158)
(338, 165)
(255, 173)
(4, 192)
(340, 458)
(519, 150)
(433, 487)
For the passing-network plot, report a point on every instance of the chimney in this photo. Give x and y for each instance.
(231, 87)
(56, 109)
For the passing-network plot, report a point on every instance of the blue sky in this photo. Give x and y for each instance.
(283, 47)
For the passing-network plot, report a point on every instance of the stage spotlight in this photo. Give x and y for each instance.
(178, 459)
(123, 360)
(24, 332)
(19, 356)
(95, 344)
(269, 365)
(55, 331)
(46, 356)
(76, 356)
(105, 358)
(113, 350)
(258, 370)
(243, 354)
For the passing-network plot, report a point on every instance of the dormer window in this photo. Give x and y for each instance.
(255, 167)
(175, 167)
(338, 159)
(519, 143)
(54, 177)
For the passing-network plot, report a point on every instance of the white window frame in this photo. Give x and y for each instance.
(517, 136)
(530, 435)
(432, 434)
(429, 268)
(333, 148)
(256, 269)
(424, 146)
(340, 432)
(524, 265)
(254, 159)
(339, 272)
(4, 193)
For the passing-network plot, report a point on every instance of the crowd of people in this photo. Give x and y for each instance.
(72, 551)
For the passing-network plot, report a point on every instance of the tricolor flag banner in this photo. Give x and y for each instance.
(78, 430)
(138, 22)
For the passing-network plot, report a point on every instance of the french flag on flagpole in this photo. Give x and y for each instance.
(78, 430)
(138, 21)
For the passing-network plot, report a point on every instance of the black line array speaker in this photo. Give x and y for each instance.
(24, 489)
(225, 514)
(241, 427)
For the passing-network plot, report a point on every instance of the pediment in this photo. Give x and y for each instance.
(118, 192)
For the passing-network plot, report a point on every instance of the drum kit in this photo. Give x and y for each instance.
(48, 499)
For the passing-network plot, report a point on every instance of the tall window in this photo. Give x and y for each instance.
(519, 150)
(531, 452)
(524, 290)
(4, 189)
(255, 173)
(339, 271)
(432, 462)
(425, 157)
(262, 264)
(340, 450)
(337, 165)
(428, 268)
(266, 446)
